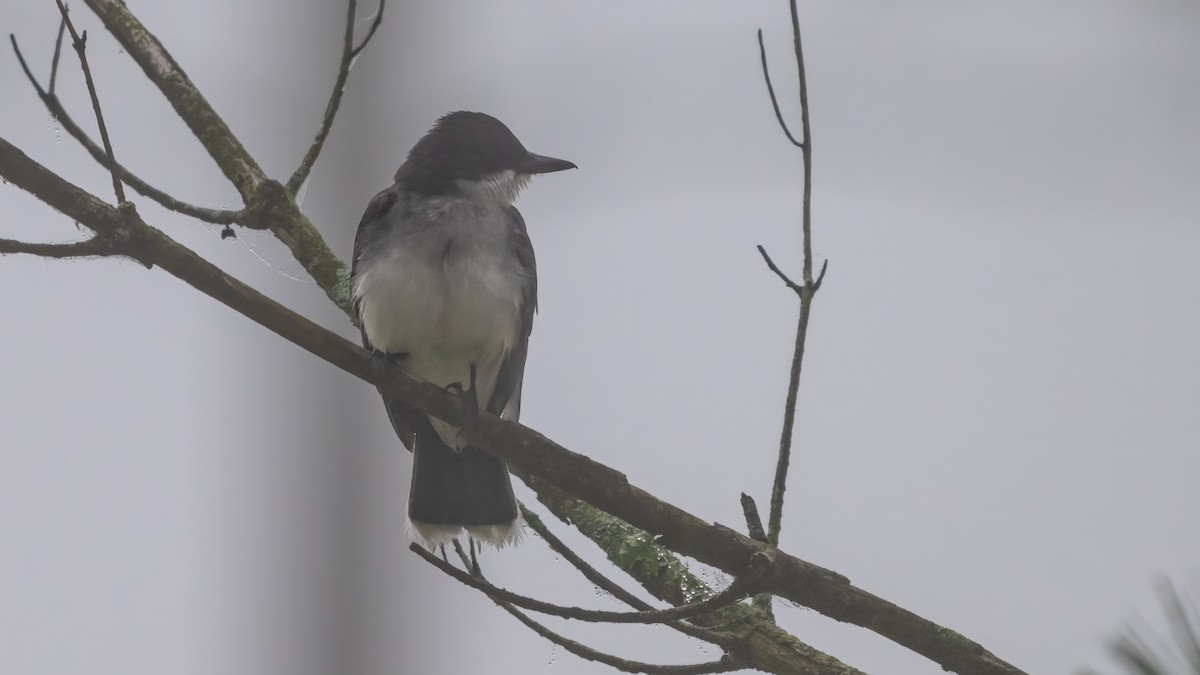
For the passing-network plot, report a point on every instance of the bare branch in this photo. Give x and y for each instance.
(779, 273)
(80, 45)
(741, 588)
(762, 51)
(25, 66)
(806, 292)
(89, 248)
(807, 149)
(62, 27)
(820, 276)
(339, 88)
(370, 31)
(724, 665)
(335, 100)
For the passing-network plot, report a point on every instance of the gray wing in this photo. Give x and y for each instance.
(506, 398)
(371, 229)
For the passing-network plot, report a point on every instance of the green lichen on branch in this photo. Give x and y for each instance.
(271, 207)
(958, 641)
(762, 644)
(637, 552)
(340, 293)
(627, 547)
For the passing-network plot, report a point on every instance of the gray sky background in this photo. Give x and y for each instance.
(998, 424)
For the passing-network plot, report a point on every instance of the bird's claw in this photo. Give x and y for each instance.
(470, 403)
(379, 365)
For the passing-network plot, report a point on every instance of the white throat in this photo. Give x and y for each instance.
(502, 187)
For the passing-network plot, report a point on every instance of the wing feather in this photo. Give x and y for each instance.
(506, 398)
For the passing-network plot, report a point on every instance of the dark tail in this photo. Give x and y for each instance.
(455, 489)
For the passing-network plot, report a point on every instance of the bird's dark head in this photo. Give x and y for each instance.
(469, 147)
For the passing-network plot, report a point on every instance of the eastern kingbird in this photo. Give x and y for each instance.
(444, 284)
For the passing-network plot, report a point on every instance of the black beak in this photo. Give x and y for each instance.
(539, 164)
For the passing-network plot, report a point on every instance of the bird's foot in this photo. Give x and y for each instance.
(379, 365)
(470, 409)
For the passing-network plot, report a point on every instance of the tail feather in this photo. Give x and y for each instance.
(454, 489)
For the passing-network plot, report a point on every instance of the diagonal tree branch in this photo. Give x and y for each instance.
(524, 449)
(269, 205)
(761, 643)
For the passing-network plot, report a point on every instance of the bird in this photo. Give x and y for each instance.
(444, 284)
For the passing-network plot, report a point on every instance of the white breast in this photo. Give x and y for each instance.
(461, 307)
(449, 296)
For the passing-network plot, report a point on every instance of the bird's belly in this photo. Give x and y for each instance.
(445, 317)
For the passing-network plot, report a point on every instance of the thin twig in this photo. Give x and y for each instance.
(590, 573)
(25, 66)
(613, 588)
(80, 44)
(778, 272)
(805, 291)
(89, 248)
(762, 52)
(820, 276)
(54, 106)
(725, 664)
(62, 27)
(349, 51)
(779, 485)
(738, 590)
(370, 31)
(807, 149)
